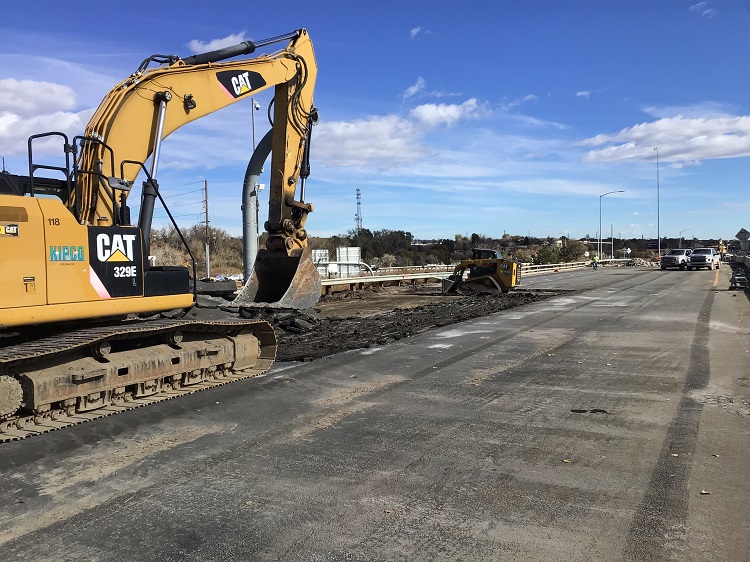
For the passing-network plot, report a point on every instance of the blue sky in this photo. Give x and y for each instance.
(480, 116)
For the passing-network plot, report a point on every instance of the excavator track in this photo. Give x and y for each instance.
(86, 374)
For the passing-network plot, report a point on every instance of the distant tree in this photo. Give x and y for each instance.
(225, 251)
(365, 241)
(386, 260)
(522, 255)
(572, 251)
(403, 260)
(548, 253)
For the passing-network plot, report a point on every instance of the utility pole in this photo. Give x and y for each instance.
(208, 234)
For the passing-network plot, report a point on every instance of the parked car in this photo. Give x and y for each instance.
(676, 258)
(704, 257)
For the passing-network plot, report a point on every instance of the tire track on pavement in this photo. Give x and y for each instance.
(657, 531)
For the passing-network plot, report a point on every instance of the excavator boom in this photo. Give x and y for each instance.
(137, 114)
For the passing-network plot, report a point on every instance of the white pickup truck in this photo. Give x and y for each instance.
(704, 257)
(679, 257)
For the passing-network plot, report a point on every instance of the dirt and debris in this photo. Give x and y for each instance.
(373, 317)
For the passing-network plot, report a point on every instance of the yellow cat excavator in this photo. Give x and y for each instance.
(88, 326)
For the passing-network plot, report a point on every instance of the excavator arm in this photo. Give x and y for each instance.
(137, 114)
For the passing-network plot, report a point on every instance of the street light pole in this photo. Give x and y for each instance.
(600, 218)
(255, 107)
(658, 234)
(681, 231)
(251, 238)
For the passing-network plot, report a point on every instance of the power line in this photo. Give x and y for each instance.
(186, 204)
(138, 207)
(178, 216)
(184, 193)
(184, 184)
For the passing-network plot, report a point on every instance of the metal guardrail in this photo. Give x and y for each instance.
(396, 279)
(398, 275)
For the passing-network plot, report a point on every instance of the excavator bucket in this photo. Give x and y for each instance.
(280, 281)
(450, 284)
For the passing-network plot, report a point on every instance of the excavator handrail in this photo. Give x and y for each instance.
(65, 170)
(116, 214)
(169, 214)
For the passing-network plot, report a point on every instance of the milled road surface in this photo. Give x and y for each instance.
(607, 424)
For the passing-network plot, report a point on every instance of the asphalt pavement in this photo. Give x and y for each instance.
(611, 423)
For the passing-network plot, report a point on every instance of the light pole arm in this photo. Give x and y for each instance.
(600, 217)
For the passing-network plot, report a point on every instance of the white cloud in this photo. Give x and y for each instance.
(27, 98)
(47, 78)
(697, 110)
(547, 186)
(681, 140)
(512, 104)
(415, 31)
(28, 107)
(387, 139)
(583, 94)
(418, 89)
(15, 131)
(198, 46)
(704, 9)
(415, 88)
(432, 114)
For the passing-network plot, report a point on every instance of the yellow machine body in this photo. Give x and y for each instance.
(485, 271)
(47, 273)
